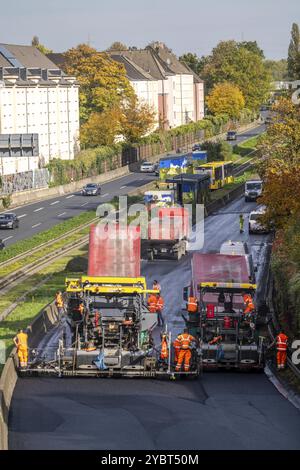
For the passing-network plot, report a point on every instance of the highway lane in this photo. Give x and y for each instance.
(223, 410)
(42, 215)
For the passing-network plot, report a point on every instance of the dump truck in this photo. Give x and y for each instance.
(107, 329)
(167, 233)
(228, 335)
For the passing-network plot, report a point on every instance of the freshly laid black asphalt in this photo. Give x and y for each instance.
(220, 410)
(40, 216)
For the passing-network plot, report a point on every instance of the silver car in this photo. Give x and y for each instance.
(148, 167)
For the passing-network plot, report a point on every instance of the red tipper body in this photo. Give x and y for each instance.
(117, 255)
(169, 223)
(219, 268)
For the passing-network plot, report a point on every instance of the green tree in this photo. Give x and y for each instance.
(101, 128)
(232, 62)
(252, 46)
(278, 69)
(294, 54)
(226, 98)
(103, 81)
(195, 63)
(43, 49)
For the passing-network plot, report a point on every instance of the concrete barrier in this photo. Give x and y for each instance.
(35, 195)
(40, 326)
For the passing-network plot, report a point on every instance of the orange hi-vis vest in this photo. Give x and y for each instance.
(247, 298)
(185, 340)
(164, 349)
(160, 304)
(281, 342)
(192, 306)
(22, 340)
(152, 301)
(81, 308)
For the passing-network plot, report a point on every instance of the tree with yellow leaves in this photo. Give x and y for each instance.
(226, 98)
(279, 164)
(103, 81)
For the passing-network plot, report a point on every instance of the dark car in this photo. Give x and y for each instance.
(231, 135)
(196, 147)
(91, 189)
(9, 220)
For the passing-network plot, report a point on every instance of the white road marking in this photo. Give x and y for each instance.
(72, 195)
(122, 187)
(55, 202)
(39, 209)
(63, 213)
(104, 195)
(21, 216)
(7, 238)
(84, 204)
(36, 225)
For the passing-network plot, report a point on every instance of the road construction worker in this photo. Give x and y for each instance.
(249, 305)
(81, 308)
(156, 286)
(281, 347)
(241, 222)
(159, 308)
(220, 352)
(185, 353)
(192, 305)
(21, 343)
(59, 302)
(176, 346)
(164, 353)
(152, 301)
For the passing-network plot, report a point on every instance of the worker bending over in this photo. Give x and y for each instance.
(185, 353)
(21, 343)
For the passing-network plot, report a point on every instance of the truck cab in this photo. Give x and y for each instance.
(253, 189)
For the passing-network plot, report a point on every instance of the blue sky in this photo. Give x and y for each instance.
(184, 25)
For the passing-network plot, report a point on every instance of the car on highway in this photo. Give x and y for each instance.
(253, 189)
(255, 221)
(91, 189)
(196, 148)
(9, 220)
(231, 135)
(148, 167)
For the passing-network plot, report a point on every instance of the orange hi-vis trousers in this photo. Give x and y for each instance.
(281, 358)
(184, 356)
(23, 355)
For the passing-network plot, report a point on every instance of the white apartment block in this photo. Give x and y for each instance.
(38, 100)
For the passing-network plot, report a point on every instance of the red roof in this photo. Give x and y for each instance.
(219, 268)
(114, 254)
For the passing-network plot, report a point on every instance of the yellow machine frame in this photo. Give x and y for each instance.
(108, 285)
(228, 285)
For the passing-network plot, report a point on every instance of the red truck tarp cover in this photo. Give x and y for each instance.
(118, 255)
(219, 268)
(169, 223)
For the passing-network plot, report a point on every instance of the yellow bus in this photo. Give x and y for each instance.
(221, 173)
